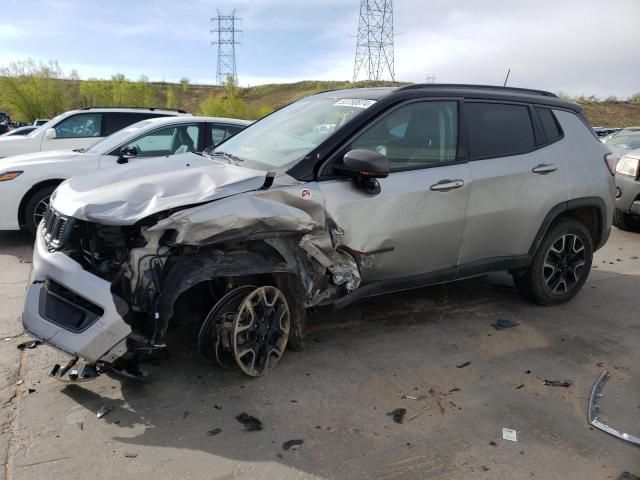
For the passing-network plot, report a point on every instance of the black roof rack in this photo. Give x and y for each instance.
(528, 91)
(137, 108)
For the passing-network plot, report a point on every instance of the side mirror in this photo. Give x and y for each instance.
(361, 163)
(364, 166)
(126, 153)
(50, 134)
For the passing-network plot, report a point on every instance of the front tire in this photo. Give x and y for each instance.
(625, 221)
(560, 266)
(36, 207)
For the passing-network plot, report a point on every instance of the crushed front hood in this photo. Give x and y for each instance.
(128, 193)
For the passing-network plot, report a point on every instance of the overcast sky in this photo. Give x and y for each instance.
(576, 46)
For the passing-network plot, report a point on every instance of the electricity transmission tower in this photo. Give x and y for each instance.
(374, 48)
(226, 30)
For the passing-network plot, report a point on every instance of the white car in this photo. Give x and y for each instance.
(79, 129)
(27, 181)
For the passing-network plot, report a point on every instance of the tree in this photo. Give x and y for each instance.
(171, 98)
(34, 89)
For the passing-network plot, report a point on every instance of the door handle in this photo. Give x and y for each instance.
(544, 168)
(446, 185)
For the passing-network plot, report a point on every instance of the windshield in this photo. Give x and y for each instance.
(291, 133)
(628, 142)
(119, 137)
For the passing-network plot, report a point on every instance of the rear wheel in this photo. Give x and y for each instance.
(560, 266)
(35, 208)
(625, 221)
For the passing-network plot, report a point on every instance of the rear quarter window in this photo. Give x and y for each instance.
(550, 124)
(498, 129)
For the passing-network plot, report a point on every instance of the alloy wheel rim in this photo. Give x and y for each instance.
(40, 210)
(261, 331)
(564, 264)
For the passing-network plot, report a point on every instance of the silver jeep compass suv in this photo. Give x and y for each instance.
(332, 199)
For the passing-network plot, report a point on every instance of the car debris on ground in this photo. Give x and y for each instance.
(462, 365)
(102, 411)
(398, 414)
(292, 443)
(502, 324)
(558, 383)
(252, 424)
(509, 434)
(29, 344)
(594, 412)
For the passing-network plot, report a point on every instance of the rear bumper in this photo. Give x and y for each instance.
(96, 333)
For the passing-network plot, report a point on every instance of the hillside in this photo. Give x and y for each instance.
(43, 98)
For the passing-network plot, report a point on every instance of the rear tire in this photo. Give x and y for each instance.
(560, 266)
(625, 221)
(36, 207)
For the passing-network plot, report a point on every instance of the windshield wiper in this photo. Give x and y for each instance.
(79, 150)
(229, 156)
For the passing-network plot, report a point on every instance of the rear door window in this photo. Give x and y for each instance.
(114, 121)
(498, 129)
(220, 132)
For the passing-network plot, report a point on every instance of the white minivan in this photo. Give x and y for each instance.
(79, 129)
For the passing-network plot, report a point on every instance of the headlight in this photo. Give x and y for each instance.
(9, 175)
(628, 166)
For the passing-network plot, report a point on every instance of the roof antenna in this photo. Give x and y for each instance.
(506, 78)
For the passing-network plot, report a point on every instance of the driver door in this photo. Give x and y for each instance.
(413, 227)
(163, 142)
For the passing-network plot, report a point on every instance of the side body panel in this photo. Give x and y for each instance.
(407, 229)
(588, 173)
(508, 202)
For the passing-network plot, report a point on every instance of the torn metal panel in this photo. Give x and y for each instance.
(593, 412)
(278, 211)
(124, 195)
(343, 267)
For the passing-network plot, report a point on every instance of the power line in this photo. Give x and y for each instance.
(226, 30)
(374, 47)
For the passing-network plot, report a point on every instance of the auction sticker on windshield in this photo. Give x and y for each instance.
(354, 102)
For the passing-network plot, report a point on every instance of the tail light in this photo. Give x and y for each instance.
(611, 159)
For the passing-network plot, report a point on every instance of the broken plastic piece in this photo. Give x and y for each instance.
(398, 414)
(509, 434)
(558, 383)
(502, 324)
(102, 411)
(213, 432)
(593, 412)
(292, 443)
(29, 344)
(250, 423)
(465, 364)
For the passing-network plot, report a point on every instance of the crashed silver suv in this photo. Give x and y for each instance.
(337, 197)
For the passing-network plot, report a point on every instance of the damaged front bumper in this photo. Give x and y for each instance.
(73, 310)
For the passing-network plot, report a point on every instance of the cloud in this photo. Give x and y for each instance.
(577, 46)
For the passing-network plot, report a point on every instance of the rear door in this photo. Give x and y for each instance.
(517, 176)
(413, 226)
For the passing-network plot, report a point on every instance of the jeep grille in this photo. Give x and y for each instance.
(55, 228)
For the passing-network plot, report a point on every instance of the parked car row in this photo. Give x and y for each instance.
(29, 180)
(332, 199)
